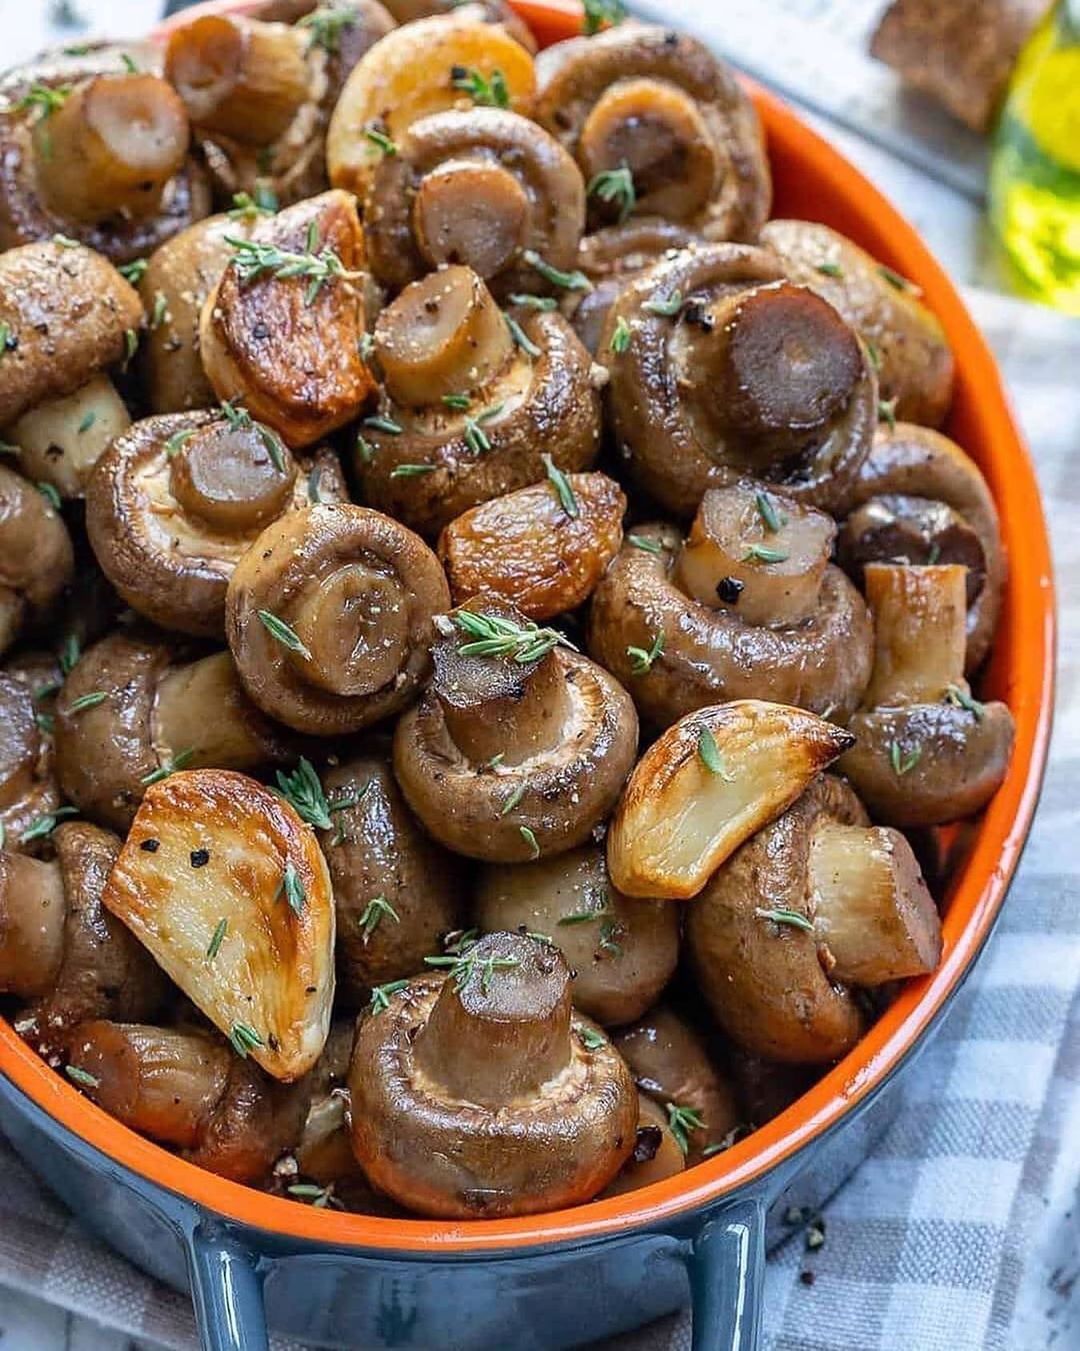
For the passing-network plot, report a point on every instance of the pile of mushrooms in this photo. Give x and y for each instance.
(473, 628)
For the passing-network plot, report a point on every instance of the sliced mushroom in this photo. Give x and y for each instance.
(721, 368)
(736, 609)
(657, 1153)
(71, 957)
(227, 888)
(329, 617)
(483, 1094)
(28, 790)
(919, 499)
(662, 106)
(760, 934)
(670, 1064)
(926, 750)
(424, 67)
(36, 558)
(485, 188)
(622, 952)
(915, 362)
(188, 1090)
(280, 328)
(708, 784)
(468, 415)
(174, 504)
(519, 747)
(129, 714)
(524, 548)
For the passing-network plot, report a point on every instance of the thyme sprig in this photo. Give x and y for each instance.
(782, 915)
(244, 1039)
(562, 486)
(709, 755)
(302, 789)
(43, 826)
(283, 633)
(642, 660)
(476, 438)
(600, 14)
(325, 26)
(380, 994)
(464, 967)
(494, 636)
(170, 766)
(616, 188)
(569, 281)
(254, 259)
(903, 763)
(487, 91)
(320, 1197)
(681, 1121)
(376, 910)
(241, 420)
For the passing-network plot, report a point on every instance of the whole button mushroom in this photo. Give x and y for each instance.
(175, 502)
(96, 150)
(61, 950)
(28, 790)
(468, 414)
(486, 188)
(919, 499)
(812, 907)
(329, 616)
(660, 108)
(482, 1093)
(657, 1152)
(926, 750)
(747, 604)
(36, 558)
(721, 368)
(519, 746)
(130, 713)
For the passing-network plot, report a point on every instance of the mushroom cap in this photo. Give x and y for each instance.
(36, 556)
(68, 311)
(764, 981)
(28, 787)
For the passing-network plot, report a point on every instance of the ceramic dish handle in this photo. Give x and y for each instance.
(727, 1270)
(226, 1288)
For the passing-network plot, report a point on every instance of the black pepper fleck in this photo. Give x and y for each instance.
(200, 858)
(807, 1277)
(729, 589)
(150, 846)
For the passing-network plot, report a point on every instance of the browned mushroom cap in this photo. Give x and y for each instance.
(285, 341)
(176, 502)
(154, 717)
(66, 313)
(28, 791)
(483, 1094)
(662, 105)
(103, 971)
(396, 892)
(32, 910)
(97, 152)
(622, 952)
(915, 363)
(736, 610)
(721, 368)
(36, 559)
(329, 617)
(519, 748)
(189, 1091)
(493, 11)
(657, 1152)
(468, 416)
(669, 1062)
(926, 751)
(919, 499)
(526, 550)
(481, 188)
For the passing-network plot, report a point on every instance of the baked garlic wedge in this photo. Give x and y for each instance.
(225, 885)
(706, 785)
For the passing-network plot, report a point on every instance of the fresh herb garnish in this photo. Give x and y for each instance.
(380, 994)
(886, 411)
(69, 654)
(591, 1039)
(899, 282)
(375, 911)
(475, 437)
(49, 493)
(217, 940)
(82, 1077)
(770, 517)
(521, 337)
(621, 337)
(241, 420)
(85, 701)
(177, 440)
(873, 352)
(760, 553)
(244, 1040)
(248, 208)
(681, 1121)
(381, 141)
(666, 307)
(466, 965)
(543, 303)
(903, 764)
(783, 915)
(514, 799)
(169, 767)
(326, 25)
(709, 754)
(642, 661)
(411, 470)
(303, 791)
(563, 489)
(569, 281)
(159, 311)
(292, 886)
(43, 826)
(459, 402)
(600, 14)
(134, 271)
(830, 269)
(283, 633)
(253, 260)
(955, 694)
(381, 423)
(493, 636)
(131, 346)
(487, 92)
(44, 101)
(646, 545)
(320, 1197)
(616, 187)
(530, 839)
(87, 422)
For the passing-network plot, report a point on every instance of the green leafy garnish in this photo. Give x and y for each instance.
(244, 1040)
(216, 941)
(376, 910)
(569, 281)
(616, 187)
(681, 1121)
(621, 337)
(561, 484)
(642, 660)
(487, 92)
(494, 636)
(169, 767)
(782, 915)
(283, 633)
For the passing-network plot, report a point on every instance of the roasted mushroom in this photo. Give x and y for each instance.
(129, 713)
(481, 1093)
(746, 605)
(657, 1152)
(188, 1090)
(526, 549)
(669, 1062)
(926, 750)
(919, 499)
(60, 950)
(36, 559)
(280, 329)
(658, 108)
(721, 368)
(906, 341)
(61, 440)
(96, 150)
(468, 414)
(485, 188)
(492, 11)
(175, 503)
(814, 903)
(520, 746)
(329, 617)
(622, 952)
(28, 789)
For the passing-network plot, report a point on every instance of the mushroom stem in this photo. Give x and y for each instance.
(920, 621)
(201, 713)
(111, 147)
(500, 1027)
(442, 335)
(234, 478)
(240, 77)
(60, 440)
(163, 1083)
(872, 909)
(32, 913)
(761, 555)
(471, 209)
